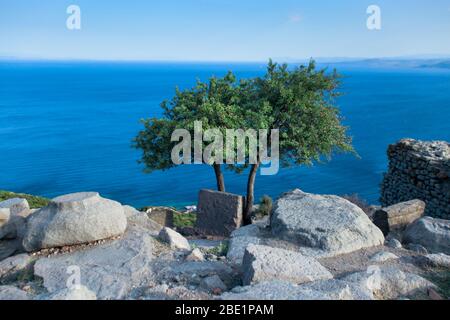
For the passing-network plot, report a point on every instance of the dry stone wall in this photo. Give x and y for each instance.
(419, 170)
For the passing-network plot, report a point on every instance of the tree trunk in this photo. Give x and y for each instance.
(250, 194)
(219, 177)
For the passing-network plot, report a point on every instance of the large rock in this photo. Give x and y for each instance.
(213, 284)
(140, 219)
(14, 228)
(174, 239)
(74, 219)
(195, 255)
(389, 282)
(13, 213)
(241, 238)
(10, 247)
(438, 260)
(282, 290)
(398, 216)
(71, 293)
(263, 263)
(219, 213)
(328, 225)
(13, 293)
(111, 270)
(433, 234)
(11, 267)
(17, 206)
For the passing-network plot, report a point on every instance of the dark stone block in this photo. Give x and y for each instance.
(219, 213)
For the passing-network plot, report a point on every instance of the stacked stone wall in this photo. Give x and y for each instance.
(419, 170)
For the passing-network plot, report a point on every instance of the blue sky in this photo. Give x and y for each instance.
(222, 30)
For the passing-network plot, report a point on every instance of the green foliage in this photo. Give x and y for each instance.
(33, 201)
(181, 220)
(215, 104)
(300, 103)
(265, 206)
(220, 250)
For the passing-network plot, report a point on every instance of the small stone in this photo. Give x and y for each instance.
(195, 255)
(174, 239)
(383, 256)
(213, 284)
(393, 243)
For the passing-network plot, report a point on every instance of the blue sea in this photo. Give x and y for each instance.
(68, 126)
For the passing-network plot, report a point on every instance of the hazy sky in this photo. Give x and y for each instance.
(226, 30)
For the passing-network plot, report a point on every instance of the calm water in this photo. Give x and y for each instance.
(67, 127)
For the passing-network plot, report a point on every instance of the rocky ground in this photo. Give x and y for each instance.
(313, 247)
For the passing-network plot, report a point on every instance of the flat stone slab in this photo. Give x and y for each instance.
(111, 271)
(282, 290)
(219, 213)
(398, 216)
(263, 263)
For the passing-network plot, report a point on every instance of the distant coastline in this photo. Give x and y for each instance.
(399, 62)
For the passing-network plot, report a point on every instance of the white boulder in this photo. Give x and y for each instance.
(263, 263)
(282, 290)
(76, 292)
(433, 234)
(74, 219)
(328, 225)
(389, 282)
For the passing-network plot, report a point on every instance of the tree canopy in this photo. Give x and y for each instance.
(299, 102)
